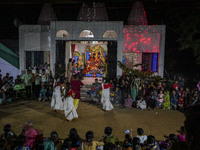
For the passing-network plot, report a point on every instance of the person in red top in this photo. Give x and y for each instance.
(76, 85)
(106, 86)
(176, 86)
(105, 97)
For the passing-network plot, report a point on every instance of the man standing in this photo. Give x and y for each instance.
(37, 83)
(60, 72)
(27, 81)
(76, 85)
(43, 77)
(69, 70)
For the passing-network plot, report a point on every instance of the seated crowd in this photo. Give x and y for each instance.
(127, 91)
(131, 91)
(32, 139)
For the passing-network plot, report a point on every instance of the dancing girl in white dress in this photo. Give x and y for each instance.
(69, 108)
(56, 101)
(105, 97)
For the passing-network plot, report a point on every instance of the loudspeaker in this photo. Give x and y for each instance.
(112, 59)
(60, 52)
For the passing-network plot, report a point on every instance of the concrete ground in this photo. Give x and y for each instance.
(91, 117)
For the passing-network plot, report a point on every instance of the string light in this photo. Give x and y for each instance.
(94, 12)
(137, 15)
(94, 7)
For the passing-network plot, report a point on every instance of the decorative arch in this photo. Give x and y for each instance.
(110, 34)
(62, 33)
(86, 34)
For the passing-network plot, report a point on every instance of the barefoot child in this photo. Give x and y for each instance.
(69, 108)
(56, 101)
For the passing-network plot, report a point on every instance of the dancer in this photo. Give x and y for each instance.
(56, 101)
(76, 85)
(105, 97)
(69, 108)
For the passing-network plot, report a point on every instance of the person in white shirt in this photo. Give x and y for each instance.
(68, 105)
(140, 135)
(141, 104)
(43, 77)
(27, 77)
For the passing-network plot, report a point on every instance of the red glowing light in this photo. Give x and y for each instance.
(134, 49)
(139, 40)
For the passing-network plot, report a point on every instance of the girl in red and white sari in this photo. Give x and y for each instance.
(56, 101)
(105, 97)
(69, 108)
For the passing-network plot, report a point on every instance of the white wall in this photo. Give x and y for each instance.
(6, 67)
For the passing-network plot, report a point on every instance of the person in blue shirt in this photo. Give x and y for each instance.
(43, 92)
(174, 100)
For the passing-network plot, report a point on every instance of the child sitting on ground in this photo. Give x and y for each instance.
(160, 99)
(128, 102)
(21, 140)
(109, 138)
(90, 144)
(43, 92)
(140, 135)
(152, 144)
(181, 136)
(2, 97)
(136, 144)
(167, 144)
(9, 136)
(67, 145)
(127, 142)
(141, 103)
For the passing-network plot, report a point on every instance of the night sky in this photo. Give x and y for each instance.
(118, 10)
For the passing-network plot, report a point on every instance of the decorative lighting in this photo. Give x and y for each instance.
(137, 15)
(94, 12)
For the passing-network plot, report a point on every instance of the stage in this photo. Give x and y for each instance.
(91, 117)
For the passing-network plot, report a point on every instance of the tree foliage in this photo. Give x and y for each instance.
(137, 72)
(188, 30)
